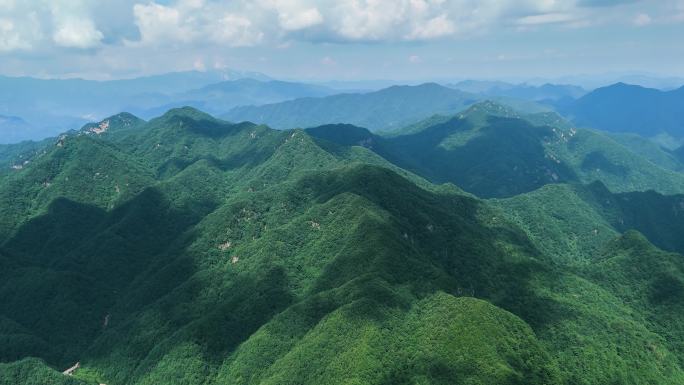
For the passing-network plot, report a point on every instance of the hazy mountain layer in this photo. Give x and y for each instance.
(521, 91)
(387, 109)
(47, 107)
(628, 108)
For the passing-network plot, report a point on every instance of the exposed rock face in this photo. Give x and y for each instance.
(101, 128)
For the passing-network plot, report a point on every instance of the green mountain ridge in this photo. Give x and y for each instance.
(241, 254)
(572, 222)
(493, 151)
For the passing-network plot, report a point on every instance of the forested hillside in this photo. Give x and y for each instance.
(190, 250)
(494, 151)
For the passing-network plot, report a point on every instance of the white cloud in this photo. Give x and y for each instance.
(73, 26)
(191, 22)
(415, 59)
(368, 20)
(642, 19)
(77, 33)
(293, 15)
(158, 23)
(300, 20)
(235, 31)
(436, 27)
(545, 18)
(39, 24)
(10, 38)
(6, 4)
(85, 24)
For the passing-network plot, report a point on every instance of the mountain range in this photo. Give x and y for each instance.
(386, 109)
(51, 106)
(520, 91)
(221, 97)
(14, 129)
(485, 246)
(493, 151)
(630, 109)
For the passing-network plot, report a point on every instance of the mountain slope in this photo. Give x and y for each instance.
(493, 151)
(251, 255)
(651, 150)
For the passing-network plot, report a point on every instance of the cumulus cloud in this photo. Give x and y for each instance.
(10, 37)
(436, 27)
(20, 28)
(30, 25)
(77, 33)
(190, 21)
(300, 20)
(293, 15)
(88, 24)
(236, 31)
(73, 26)
(160, 23)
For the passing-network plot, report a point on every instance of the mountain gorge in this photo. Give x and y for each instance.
(484, 247)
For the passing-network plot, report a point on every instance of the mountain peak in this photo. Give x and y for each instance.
(186, 112)
(624, 85)
(422, 86)
(489, 107)
(345, 134)
(121, 120)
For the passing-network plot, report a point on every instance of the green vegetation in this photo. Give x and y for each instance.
(189, 250)
(492, 151)
(573, 222)
(31, 371)
(651, 150)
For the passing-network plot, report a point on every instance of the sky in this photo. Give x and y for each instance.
(342, 39)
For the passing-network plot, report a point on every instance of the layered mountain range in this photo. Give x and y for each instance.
(480, 246)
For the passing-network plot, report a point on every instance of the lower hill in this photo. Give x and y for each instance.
(573, 222)
(252, 256)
